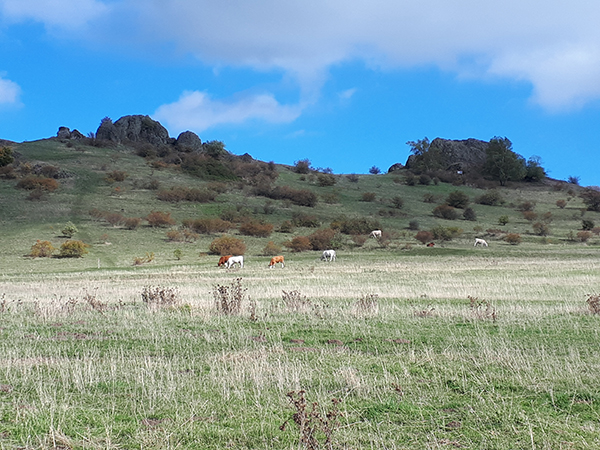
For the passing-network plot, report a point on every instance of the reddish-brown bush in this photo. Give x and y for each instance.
(424, 236)
(529, 216)
(32, 182)
(584, 236)
(208, 225)
(115, 219)
(116, 176)
(322, 239)
(368, 197)
(561, 203)
(256, 228)
(445, 212)
(513, 238)
(227, 245)
(160, 219)
(132, 223)
(271, 249)
(299, 244)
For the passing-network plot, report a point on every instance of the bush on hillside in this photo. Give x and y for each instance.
(32, 182)
(208, 225)
(591, 199)
(299, 244)
(397, 202)
(69, 230)
(445, 212)
(469, 214)
(326, 179)
(513, 238)
(322, 239)
(227, 245)
(271, 249)
(300, 219)
(561, 203)
(132, 223)
(116, 176)
(352, 226)
(160, 219)
(541, 229)
(42, 249)
(490, 198)
(424, 236)
(302, 166)
(73, 249)
(256, 228)
(180, 193)
(442, 233)
(368, 197)
(584, 236)
(457, 199)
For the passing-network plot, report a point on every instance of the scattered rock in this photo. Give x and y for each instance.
(335, 342)
(189, 140)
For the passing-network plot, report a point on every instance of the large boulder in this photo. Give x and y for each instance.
(135, 128)
(457, 155)
(190, 140)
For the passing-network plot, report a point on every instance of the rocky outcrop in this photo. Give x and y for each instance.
(395, 167)
(65, 133)
(457, 155)
(189, 140)
(135, 128)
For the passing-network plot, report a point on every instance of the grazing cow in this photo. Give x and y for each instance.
(376, 234)
(275, 260)
(431, 244)
(480, 241)
(223, 260)
(235, 260)
(328, 255)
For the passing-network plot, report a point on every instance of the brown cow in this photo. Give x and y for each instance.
(431, 244)
(275, 260)
(223, 260)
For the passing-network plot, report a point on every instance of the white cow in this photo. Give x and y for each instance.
(376, 234)
(235, 260)
(328, 255)
(480, 241)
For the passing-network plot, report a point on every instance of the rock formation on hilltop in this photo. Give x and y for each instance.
(135, 128)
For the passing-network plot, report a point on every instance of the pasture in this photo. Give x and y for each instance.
(454, 347)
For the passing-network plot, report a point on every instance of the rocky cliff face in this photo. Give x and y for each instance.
(458, 155)
(136, 128)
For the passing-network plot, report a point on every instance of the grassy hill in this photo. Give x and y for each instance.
(88, 186)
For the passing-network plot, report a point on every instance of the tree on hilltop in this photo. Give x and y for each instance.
(502, 163)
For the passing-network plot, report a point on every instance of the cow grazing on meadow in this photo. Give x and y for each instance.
(328, 255)
(480, 241)
(235, 260)
(376, 234)
(223, 260)
(275, 260)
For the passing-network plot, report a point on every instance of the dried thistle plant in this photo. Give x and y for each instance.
(482, 309)
(367, 305)
(160, 297)
(229, 299)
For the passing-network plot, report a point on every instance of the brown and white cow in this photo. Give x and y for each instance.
(275, 260)
(223, 260)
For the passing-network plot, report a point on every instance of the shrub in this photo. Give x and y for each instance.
(469, 214)
(300, 219)
(490, 198)
(596, 231)
(561, 203)
(584, 236)
(591, 198)
(271, 249)
(428, 198)
(73, 249)
(541, 229)
(424, 179)
(6, 156)
(374, 170)
(355, 225)
(593, 302)
(178, 194)
(359, 239)
(256, 228)
(513, 238)
(302, 166)
(413, 225)
(208, 225)
(352, 178)
(69, 230)
(138, 261)
(526, 206)
(442, 233)
(227, 245)
(116, 176)
(397, 202)
(457, 199)
(322, 239)
(587, 224)
(132, 223)
(114, 219)
(207, 167)
(530, 216)
(41, 249)
(326, 179)
(32, 182)
(299, 244)
(286, 227)
(424, 236)
(503, 220)
(445, 212)
(160, 219)
(368, 197)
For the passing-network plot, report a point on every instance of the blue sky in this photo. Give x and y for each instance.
(344, 84)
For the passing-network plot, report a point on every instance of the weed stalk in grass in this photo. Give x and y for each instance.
(229, 299)
(160, 297)
(593, 302)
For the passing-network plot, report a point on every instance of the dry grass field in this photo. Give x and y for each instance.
(459, 348)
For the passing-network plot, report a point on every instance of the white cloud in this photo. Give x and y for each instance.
(197, 111)
(9, 92)
(347, 94)
(551, 44)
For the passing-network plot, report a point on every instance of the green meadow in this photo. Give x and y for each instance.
(392, 346)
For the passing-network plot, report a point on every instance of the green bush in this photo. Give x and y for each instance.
(69, 230)
(457, 199)
(445, 212)
(490, 198)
